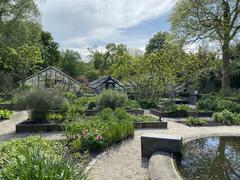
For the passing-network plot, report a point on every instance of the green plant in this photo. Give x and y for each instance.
(193, 121)
(97, 133)
(132, 104)
(55, 117)
(208, 104)
(35, 158)
(226, 117)
(112, 99)
(5, 114)
(142, 118)
(39, 101)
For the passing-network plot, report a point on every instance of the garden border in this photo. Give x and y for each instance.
(131, 111)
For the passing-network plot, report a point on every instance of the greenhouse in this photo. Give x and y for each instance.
(52, 77)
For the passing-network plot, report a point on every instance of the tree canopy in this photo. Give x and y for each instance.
(216, 20)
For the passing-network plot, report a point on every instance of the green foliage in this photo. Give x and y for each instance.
(5, 114)
(55, 117)
(6, 83)
(179, 108)
(35, 158)
(112, 99)
(226, 117)
(219, 103)
(39, 101)
(193, 121)
(142, 118)
(92, 74)
(49, 50)
(157, 42)
(72, 63)
(132, 104)
(101, 131)
(22, 61)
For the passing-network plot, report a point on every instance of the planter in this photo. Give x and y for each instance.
(8, 106)
(180, 114)
(131, 111)
(151, 125)
(26, 127)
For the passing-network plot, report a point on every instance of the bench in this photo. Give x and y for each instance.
(165, 143)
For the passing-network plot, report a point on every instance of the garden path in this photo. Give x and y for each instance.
(123, 161)
(7, 128)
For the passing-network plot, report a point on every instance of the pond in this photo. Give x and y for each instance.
(212, 158)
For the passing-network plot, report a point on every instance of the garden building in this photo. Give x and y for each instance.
(51, 77)
(107, 82)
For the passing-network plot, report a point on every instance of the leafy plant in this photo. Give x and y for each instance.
(35, 158)
(39, 101)
(226, 117)
(193, 121)
(55, 117)
(112, 99)
(92, 105)
(5, 114)
(97, 133)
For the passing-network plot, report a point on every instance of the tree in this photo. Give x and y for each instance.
(72, 63)
(157, 42)
(22, 61)
(19, 23)
(50, 52)
(216, 20)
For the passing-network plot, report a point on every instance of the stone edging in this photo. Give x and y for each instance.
(166, 161)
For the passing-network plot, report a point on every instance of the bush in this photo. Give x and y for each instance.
(208, 104)
(226, 117)
(5, 114)
(147, 104)
(39, 101)
(35, 158)
(112, 99)
(193, 121)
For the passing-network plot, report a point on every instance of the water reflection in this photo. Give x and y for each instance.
(214, 158)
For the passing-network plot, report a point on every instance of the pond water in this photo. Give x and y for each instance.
(212, 158)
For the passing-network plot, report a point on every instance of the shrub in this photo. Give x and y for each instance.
(112, 99)
(35, 158)
(193, 121)
(39, 101)
(226, 117)
(5, 114)
(145, 104)
(229, 105)
(208, 104)
(101, 131)
(132, 104)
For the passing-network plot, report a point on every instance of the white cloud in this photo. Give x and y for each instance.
(81, 23)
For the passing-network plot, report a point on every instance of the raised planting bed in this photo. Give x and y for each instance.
(8, 106)
(180, 114)
(208, 124)
(30, 126)
(131, 111)
(151, 125)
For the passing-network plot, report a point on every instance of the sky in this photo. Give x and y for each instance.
(80, 24)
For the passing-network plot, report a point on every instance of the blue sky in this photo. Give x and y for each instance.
(80, 24)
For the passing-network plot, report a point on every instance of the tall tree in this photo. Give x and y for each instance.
(157, 42)
(216, 20)
(19, 23)
(22, 61)
(50, 53)
(72, 63)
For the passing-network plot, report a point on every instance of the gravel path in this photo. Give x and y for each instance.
(123, 162)
(7, 128)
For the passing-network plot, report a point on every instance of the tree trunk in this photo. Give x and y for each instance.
(226, 70)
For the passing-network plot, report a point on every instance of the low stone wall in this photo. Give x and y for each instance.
(165, 143)
(151, 125)
(26, 128)
(180, 114)
(131, 111)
